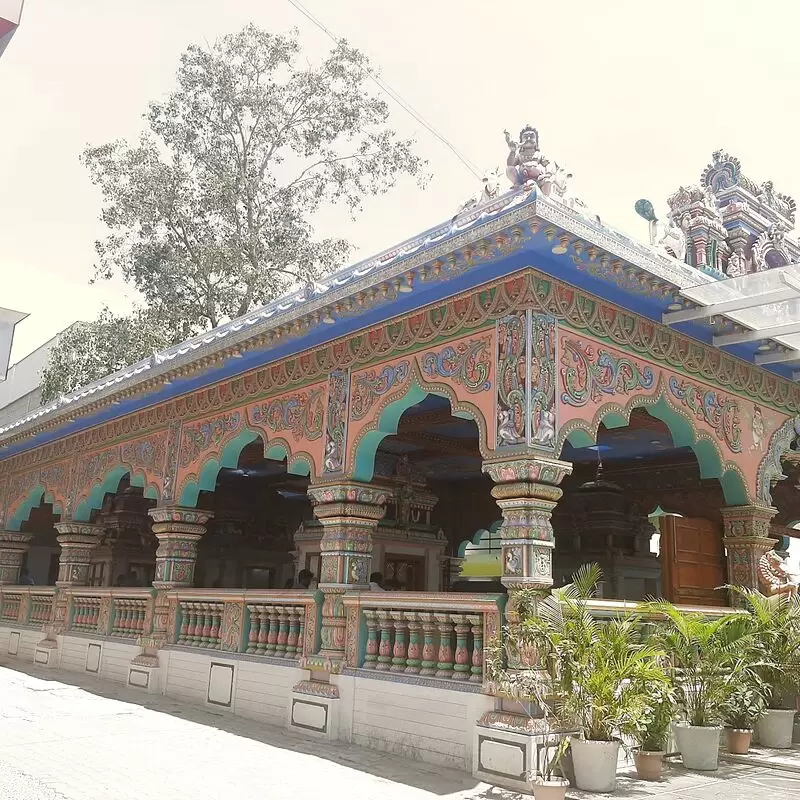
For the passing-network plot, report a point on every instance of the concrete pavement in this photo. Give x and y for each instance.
(98, 741)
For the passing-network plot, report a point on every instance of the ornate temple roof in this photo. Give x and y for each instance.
(538, 223)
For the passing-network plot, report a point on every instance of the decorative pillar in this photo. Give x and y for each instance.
(13, 546)
(77, 540)
(746, 538)
(349, 514)
(178, 530)
(527, 490)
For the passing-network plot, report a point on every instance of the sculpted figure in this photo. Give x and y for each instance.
(736, 265)
(673, 240)
(525, 163)
(774, 575)
(491, 191)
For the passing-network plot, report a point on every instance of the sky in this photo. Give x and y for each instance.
(633, 97)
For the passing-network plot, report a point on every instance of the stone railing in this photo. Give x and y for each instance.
(12, 605)
(436, 635)
(280, 624)
(27, 605)
(115, 611)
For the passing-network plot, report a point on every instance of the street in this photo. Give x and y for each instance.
(99, 741)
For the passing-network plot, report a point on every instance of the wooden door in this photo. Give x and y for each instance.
(692, 561)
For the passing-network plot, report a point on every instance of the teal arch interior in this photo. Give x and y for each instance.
(110, 484)
(364, 460)
(33, 500)
(229, 459)
(708, 456)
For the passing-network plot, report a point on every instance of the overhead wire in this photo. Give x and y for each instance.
(405, 105)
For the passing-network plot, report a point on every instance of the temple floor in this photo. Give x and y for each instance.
(78, 738)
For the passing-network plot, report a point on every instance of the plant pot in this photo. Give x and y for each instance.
(595, 764)
(739, 740)
(699, 746)
(553, 789)
(649, 764)
(775, 728)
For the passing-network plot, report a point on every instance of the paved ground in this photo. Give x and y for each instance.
(96, 741)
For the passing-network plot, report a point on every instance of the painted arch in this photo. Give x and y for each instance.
(684, 432)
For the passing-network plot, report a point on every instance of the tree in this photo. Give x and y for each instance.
(87, 351)
(211, 213)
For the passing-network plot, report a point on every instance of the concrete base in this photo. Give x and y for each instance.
(510, 750)
(145, 676)
(46, 654)
(313, 708)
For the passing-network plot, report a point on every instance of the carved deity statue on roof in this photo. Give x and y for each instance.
(673, 239)
(525, 163)
(491, 190)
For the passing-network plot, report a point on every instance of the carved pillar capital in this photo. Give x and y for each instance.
(178, 531)
(349, 513)
(77, 540)
(527, 490)
(746, 538)
(13, 546)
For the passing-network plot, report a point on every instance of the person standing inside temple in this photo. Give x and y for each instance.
(25, 578)
(376, 582)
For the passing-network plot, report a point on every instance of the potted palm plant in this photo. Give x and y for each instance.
(599, 672)
(775, 624)
(709, 657)
(652, 729)
(742, 711)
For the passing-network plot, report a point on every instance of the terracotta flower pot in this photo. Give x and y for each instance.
(739, 740)
(552, 789)
(649, 764)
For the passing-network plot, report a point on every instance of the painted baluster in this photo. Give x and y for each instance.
(199, 621)
(272, 636)
(183, 635)
(400, 650)
(140, 621)
(215, 625)
(430, 647)
(283, 633)
(263, 629)
(444, 669)
(414, 658)
(462, 665)
(371, 655)
(385, 646)
(124, 618)
(294, 631)
(206, 640)
(301, 631)
(252, 633)
(476, 670)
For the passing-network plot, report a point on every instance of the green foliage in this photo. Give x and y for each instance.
(775, 625)
(212, 212)
(652, 727)
(87, 351)
(710, 657)
(746, 704)
(600, 674)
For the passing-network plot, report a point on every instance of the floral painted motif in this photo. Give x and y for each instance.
(512, 380)
(369, 386)
(543, 381)
(205, 435)
(719, 412)
(336, 422)
(466, 363)
(147, 454)
(587, 376)
(171, 461)
(300, 413)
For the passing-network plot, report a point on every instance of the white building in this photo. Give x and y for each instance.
(8, 321)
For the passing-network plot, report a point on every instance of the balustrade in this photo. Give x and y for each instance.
(11, 606)
(85, 613)
(276, 630)
(430, 635)
(41, 608)
(200, 624)
(129, 617)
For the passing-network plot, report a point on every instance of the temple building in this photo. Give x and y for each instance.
(483, 408)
